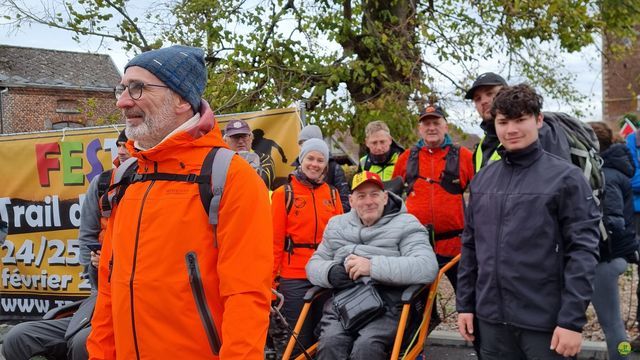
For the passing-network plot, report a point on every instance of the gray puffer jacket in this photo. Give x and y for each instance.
(397, 245)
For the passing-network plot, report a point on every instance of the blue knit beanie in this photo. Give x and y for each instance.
(179, 67)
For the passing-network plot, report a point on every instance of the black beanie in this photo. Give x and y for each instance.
(122, 137)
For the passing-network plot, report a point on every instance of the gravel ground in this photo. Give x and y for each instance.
(628, 284)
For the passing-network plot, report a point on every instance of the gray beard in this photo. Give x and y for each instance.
(153, 130)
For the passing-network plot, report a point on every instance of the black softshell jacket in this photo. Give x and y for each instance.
(530, 244)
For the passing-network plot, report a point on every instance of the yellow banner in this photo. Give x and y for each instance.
(43, 189)
(275, 133)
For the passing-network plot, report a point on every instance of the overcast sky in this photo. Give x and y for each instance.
(586, 65)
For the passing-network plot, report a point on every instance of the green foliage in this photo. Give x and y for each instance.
(90, 109)
(354, 61)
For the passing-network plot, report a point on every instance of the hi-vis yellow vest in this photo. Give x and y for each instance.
(385, 171)
(478, 156)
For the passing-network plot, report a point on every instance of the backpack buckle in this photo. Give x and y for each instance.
(192, 178)
(138, 177)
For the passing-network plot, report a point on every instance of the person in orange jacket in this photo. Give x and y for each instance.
(299, 220)
(431, 199)
(171, 285)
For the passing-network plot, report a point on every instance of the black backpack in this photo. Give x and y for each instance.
(104, 181)
(585, 153)
(211, 181)
(449, 178)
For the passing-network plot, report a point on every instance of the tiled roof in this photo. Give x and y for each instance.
(20, 66)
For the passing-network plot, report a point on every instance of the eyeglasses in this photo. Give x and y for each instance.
(135, 89)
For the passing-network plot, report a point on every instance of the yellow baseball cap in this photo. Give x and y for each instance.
(365, 177)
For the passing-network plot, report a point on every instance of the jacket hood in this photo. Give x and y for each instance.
(618, 157)
(205, 133)
(395, 147)
(395, 206)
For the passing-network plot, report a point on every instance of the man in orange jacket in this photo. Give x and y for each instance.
(435, 196)
(172, 286)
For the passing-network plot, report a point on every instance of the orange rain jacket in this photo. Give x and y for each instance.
(305, 223)
(163, 248)
(429, 202)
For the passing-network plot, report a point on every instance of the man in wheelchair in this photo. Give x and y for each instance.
(368, 256)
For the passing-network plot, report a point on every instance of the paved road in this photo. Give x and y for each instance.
(449, 353)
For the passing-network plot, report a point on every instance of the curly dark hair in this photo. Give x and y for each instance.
(603, 133)
(515, 101)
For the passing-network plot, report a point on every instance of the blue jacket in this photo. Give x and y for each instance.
(635, 180)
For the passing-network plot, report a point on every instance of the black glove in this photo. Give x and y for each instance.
(338, 277)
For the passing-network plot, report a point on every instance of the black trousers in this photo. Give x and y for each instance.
(507, 342)
(293, 291)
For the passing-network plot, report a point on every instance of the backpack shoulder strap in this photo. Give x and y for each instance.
(413, 170)
(216, 165)
(331, 171)
(450, 177)
(104, 180)
(123, 168)
(366, 164)
(334, 194)
(119, 184)
(288, 197)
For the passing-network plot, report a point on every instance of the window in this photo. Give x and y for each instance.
(67, 115)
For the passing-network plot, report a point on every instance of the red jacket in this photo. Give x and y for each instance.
(168, 274)
(429, 202)
(305, 223)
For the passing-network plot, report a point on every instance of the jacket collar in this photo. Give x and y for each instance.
(447, 142)
(489, 128)
(201, 131)
(299, 176)
(395, 206)
(524, 157)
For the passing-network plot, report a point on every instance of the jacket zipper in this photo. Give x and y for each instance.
(133, 270)
(502, 210)
(110, 268)
(432, 186)
(315, 211)
(201, 303)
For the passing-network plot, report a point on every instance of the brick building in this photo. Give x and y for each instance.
(43, 89)
(621, 83)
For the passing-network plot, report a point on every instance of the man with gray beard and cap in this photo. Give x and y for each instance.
(172, 274)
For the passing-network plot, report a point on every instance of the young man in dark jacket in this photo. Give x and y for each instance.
(530, 244)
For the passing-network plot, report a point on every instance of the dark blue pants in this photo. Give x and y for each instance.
(507, 342)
